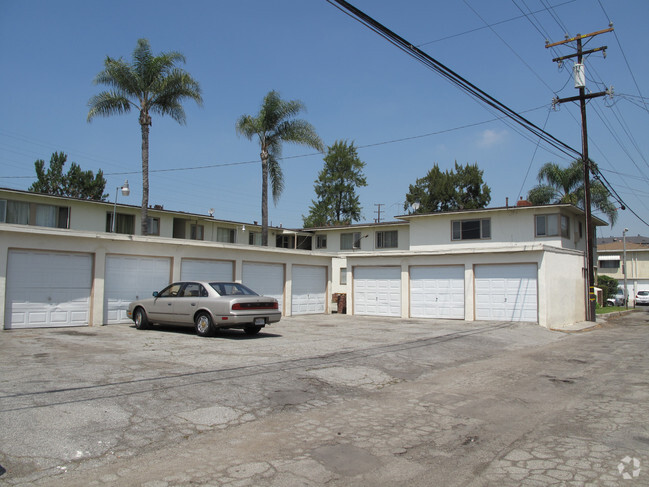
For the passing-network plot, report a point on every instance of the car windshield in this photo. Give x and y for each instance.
(643, 293)
(232, 289)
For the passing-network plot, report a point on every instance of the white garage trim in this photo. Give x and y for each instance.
(48, 289)
(506, 292)
(129, 278)
(437, 292)
(206, 270)
(265, 279)
(377, 291)
(309, 289)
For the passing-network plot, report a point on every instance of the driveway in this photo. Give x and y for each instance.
(342, 400)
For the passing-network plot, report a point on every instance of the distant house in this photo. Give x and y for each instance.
(62, 265)
(610, 262)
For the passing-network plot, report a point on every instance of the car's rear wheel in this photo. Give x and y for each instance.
(204, 325)
(252, 329)
(140, 319)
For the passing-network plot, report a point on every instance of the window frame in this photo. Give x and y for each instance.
(232, 234)
(380, 239)
(149, 226)
(320, 241)
(552, 228)
(122, 220)
(196, 229)
(355, 243)
(460, 233)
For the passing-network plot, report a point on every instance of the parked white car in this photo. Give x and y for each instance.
(642, 298)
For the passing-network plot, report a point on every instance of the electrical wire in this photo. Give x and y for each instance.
(451, 76)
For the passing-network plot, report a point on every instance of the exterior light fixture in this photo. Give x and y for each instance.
(126, 190)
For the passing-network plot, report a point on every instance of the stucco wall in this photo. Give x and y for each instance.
(513, 226)
(560, 275)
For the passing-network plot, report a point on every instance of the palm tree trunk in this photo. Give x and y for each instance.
(144, 124)
(264, 197)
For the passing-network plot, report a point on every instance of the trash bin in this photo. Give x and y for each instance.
(342, 303)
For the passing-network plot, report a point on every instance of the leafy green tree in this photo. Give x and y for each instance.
(275, 124)
(76, 183)
(335, 188)
(566, 185)
(449, 190)
(149, 84)
(608, 285)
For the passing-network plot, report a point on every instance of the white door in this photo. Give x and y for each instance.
(437, 292)
(206, 270)
(47, 289)
(129, 278)
(377, 291)
(265, 279)
(506, 292)
(309, 289)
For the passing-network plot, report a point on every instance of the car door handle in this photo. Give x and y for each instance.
(193, 304)
(168, 304)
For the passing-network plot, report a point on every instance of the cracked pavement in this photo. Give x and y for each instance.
(327, 400)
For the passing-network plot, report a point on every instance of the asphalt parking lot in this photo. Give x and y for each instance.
(336, 400)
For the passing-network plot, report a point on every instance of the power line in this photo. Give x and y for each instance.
(451, 76)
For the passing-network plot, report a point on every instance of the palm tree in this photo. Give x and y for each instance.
(274, 124)
(150, 84)
(566, 185)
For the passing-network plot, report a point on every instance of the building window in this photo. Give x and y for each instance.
(24, 213)
(123, 223)
(226, 235)
(471, 229)
(321, 242)
(153, 226)
(552, 226)
(609, 264)
(343, 276)
(254, 238)
(387, 240)
(350, 241)
(17, 212)
(196, 232)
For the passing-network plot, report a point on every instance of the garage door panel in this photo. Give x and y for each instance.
(265, 279)
(206, 270)
(129, 278)
(308, 289)
(48, 289)
(437, 292)
(377, 291)
(506, 292)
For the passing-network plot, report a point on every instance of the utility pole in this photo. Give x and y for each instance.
(378, 218)
(580, 83)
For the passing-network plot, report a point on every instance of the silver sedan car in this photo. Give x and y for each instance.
(207, 306)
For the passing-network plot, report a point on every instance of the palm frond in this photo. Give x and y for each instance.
(276, 177)
(108, 103)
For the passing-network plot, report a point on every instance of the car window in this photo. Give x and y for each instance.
(191, 290)
(170, 291)
(232, 289)
(643, 293)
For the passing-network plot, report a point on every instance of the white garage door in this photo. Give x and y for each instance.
(377, 291)
(437, 292)
(206, 270)
(129, 278)
(48, 289)
(309, 289)
(506, 292)
(265, 279)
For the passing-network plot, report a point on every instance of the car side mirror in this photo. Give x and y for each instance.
(155, 294)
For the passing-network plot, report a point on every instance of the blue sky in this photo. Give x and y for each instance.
(355, 85)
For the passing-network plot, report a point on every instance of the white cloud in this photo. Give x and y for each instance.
(489, 138)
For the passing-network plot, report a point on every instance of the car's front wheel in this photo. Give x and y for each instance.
(204, 325)
(140, 319)
(252, 329)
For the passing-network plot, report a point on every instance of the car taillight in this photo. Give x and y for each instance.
(237, 306)
(252, 306)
